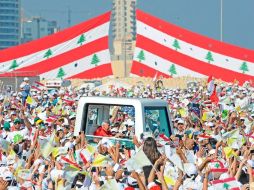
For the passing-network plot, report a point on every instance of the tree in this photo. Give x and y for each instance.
(48, 54)
(81, 39)
(209, 57)
(60, 73)
(176, 44)
(14, 64)
(95, 60)
(141, 56)
(226, 186)
(172, 70)
(244, 67)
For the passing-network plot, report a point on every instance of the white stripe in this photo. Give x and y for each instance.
(232, 184)
(192, 50)
(83, 65)
(91, 35)
(163, 65)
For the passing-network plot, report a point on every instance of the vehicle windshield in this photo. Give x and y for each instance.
(111, 121)
(156, 121)
(114, 122)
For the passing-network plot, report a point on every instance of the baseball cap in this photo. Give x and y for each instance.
(17, 121)
(180, 121)
(7, 126)
(190, 169)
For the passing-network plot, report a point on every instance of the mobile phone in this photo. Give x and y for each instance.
(46, 167)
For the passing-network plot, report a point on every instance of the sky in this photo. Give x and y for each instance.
(201, 16)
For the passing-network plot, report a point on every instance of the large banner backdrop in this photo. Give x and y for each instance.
(77, 52)
(168, 50)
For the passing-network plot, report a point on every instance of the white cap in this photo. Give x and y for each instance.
(130, 122)
(26, 79)
(190, 169)
(7, 176)
(69, 145)
(180, 121)
(210, 124)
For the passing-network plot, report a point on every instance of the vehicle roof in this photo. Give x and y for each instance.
(123, 101)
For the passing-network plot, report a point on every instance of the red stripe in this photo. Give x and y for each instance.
(52, 40)
(189, 62)
(67, 57)
(40, 84)
(214, 182)
(145, 71)
(218, 161)
(164, 137)
(70, 162)
(36, 88)
(222, 170)
(196, 39)
(97, 72)
(83, 158)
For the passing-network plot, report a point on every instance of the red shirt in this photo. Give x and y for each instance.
(101, 132)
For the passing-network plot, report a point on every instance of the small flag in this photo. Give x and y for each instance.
(69, 102)
(59, 151)
(4, 144)
(227, 184)
(217, 166)
(38, 86)
(169, 180)
(109, 184)
(183, 112)
(207, 116)
(100, 161)
(210, 85)
(24, 174)
(155, 76)
(48, 147)
(229, 152)
(224, 114)
(68, 161)
(138, 161)
(30, 100)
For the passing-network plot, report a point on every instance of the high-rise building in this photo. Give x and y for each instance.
(124, 33)
(37, 27)
(9, 23)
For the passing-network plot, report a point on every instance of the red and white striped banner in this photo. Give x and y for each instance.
(173, 51)
(78, 52)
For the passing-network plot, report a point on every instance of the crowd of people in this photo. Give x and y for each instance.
(211, 145)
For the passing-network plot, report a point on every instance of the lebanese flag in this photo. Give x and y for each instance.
(229, 183)
(80, 51)
(69, 102)
(163, 139)
(85, 155)
(203, 137)
(214, 98)
(210, 85)
(68, 161)
(38, 86)
(174, 52)
(155, 77)
(217, 166)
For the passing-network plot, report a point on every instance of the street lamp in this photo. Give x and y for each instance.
(221, 20)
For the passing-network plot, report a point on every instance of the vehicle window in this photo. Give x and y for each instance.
(157, 121)
(121, 121)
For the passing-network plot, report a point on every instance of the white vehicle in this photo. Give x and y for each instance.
(148, 115)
